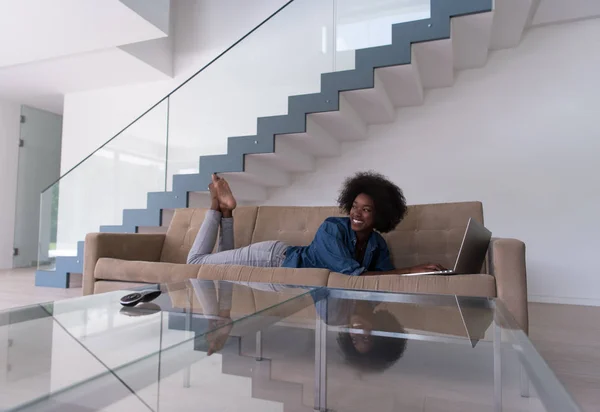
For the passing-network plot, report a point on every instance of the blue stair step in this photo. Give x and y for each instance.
(241, 145)
(52, 279)
(445, 8)
(80, 249)
(192, 183)
(348, 80)
(314, 103)
(293, 122)
(167, 200)
(382, 56)
(118, 229)
(142, 217)
(71, 264)
(428, 30)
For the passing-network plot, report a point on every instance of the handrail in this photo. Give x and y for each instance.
(173, 91)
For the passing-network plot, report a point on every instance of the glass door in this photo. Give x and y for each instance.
(39, 167)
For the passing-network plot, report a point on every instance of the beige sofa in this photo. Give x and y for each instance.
(429, 233)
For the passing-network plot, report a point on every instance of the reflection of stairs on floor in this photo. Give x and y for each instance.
(238, 358)
(288, 377)
(264, 386)
(210, 390)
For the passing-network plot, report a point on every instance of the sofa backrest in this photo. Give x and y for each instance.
(186, 223)
(429, 233)
(294, 225)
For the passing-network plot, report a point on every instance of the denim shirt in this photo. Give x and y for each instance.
(334, 248)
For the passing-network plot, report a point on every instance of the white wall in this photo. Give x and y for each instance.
(9, 156)
(522, 136)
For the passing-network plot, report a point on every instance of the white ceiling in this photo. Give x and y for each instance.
(33, 30)
(44, 84)
(50, 48)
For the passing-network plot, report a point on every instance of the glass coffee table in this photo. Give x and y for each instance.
(228, 346)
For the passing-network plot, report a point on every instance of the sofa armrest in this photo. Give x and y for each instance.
(126, 246)
(507, 265)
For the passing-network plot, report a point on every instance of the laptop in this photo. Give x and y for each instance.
(472, 251)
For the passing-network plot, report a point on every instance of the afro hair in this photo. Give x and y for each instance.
(390, 204)
(385, 351)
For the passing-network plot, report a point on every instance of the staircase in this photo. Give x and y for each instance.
(263, 385)
(423, 54)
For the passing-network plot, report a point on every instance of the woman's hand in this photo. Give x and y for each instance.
(427, 267)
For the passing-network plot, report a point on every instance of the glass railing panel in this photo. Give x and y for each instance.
(117, 176)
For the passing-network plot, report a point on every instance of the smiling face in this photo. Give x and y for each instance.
(362, 215)
(362, 341)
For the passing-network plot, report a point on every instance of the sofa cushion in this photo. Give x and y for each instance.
(431, 233)
(147, 272)
(242, 301)
(186, 223)
(102, 286)
(462, 285)
(284, 276)
(447, 320)
(296, 226)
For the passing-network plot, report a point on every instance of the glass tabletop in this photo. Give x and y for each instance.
(216, 345)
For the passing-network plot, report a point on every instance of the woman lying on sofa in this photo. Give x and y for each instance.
(350, 245)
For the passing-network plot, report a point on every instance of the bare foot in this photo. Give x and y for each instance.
(226, 200)
(218, 335)
(214, 201)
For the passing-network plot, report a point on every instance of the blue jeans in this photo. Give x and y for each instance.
(262, 254)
